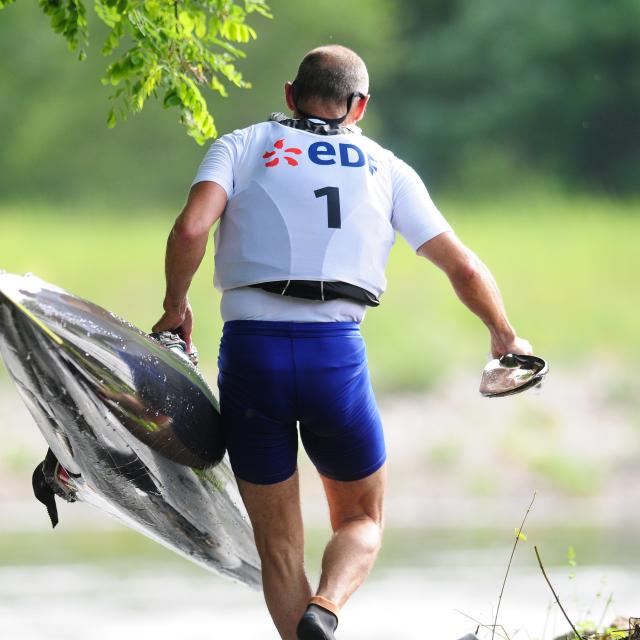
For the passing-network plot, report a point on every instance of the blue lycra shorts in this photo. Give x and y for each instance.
(275, 374)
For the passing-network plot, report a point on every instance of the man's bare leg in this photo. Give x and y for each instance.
(356, 510)
(274, 511)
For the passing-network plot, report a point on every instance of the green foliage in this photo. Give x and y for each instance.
(56, 147)
(163, 48)
(115, 258)
(550, 87)
(476, 95)
(68, 18)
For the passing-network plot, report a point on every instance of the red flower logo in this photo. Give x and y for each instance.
(277, 149)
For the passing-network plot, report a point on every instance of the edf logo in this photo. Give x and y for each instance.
(349, 155)
(324, 153)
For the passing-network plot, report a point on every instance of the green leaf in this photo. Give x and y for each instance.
(216, 85)
(259, 6)
(136, 59)
(201, 24)
(108, 15)
(215, 25)
(171, 99)
(152, 7)
(187, 22)
(59, 20)
(111, 43)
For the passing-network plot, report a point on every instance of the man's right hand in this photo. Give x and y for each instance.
(177, 321)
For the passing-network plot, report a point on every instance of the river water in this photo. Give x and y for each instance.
(83, 602)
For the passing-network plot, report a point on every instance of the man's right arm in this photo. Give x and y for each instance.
(476, 288)
(188, 239)
(186, 247)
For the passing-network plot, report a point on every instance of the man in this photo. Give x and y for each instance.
(308, 208)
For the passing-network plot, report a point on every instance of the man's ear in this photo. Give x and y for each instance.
(362, 107)
(288, 95)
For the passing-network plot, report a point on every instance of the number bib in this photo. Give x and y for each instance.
(306, 206)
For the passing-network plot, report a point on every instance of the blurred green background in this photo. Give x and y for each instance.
(522, 118)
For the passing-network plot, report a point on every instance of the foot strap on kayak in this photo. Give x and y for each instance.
(173, 341)
(48, 481)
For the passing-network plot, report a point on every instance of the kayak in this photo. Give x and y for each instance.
(132, 427)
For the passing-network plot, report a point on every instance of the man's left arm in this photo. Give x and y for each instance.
(416, 217)
(186, 247)
(477, 289)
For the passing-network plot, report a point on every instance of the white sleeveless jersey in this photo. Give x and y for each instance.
(310, 206)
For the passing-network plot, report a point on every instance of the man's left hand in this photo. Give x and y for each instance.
(500, 347)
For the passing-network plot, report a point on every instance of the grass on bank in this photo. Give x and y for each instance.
(567, 267)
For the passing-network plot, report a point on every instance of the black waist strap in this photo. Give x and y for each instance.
(319, 290)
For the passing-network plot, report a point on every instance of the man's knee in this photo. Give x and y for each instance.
(374, 533)
(370, 530)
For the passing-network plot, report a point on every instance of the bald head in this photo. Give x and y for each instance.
(330, 74)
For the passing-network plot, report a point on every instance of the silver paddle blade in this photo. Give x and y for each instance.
(512, 373)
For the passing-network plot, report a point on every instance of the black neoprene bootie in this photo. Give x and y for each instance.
(317, 623)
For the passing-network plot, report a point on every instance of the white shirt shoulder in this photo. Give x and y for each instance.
(224, 156)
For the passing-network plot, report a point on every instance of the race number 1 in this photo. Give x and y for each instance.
(333, 204)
